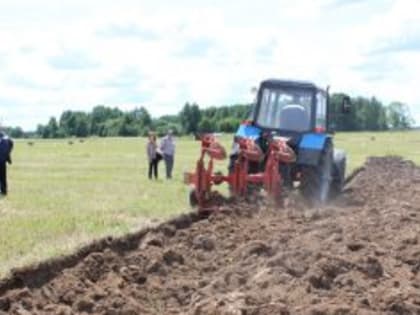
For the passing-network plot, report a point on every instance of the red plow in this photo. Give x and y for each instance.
(239, 179)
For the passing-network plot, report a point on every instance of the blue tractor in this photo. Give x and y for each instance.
(285, 143)
(299, 112)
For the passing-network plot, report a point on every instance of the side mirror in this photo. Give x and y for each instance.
(346, 105)
(332, 128)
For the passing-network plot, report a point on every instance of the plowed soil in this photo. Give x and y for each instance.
(359, 255)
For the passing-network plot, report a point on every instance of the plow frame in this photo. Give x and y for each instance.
(239, 179)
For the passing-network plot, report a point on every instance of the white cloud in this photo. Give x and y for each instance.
(160, 54)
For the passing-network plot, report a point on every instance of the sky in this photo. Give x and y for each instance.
(59, 55)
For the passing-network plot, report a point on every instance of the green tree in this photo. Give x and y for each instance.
(195, 116)
(205, 125)
(143, 117)
(185, 117)
(15, 132)
(228, 124)
(68, 122)
(399, 116)
(81, 128)
(75, 123)
(52, 128)
(99, 116)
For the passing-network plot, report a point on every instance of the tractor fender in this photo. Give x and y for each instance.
(310, 148)
(248, 131)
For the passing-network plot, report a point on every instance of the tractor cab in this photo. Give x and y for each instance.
(290, 108)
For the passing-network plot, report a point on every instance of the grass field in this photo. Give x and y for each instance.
(62, 195)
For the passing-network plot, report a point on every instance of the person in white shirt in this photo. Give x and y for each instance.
(167, 147)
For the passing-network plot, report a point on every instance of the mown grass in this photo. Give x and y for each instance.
(63, 195)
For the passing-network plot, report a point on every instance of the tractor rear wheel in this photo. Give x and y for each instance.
(339, 173)
(316, 180)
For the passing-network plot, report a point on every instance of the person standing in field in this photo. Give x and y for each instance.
(167, 147)
(6, 147)
(153, 156)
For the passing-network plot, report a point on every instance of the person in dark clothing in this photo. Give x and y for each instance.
(153, 156)
(6, 147)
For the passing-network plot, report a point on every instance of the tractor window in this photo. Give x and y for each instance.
(321, 111)
(286, 109)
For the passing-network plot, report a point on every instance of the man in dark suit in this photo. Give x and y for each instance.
(6, 147)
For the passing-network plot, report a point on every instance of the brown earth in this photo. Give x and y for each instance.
(359, 255)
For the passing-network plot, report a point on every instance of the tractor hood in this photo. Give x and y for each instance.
(248, 131)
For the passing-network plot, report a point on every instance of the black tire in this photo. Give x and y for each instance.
(192, 198)
(336, 188)
(316, 180)
(338, 181)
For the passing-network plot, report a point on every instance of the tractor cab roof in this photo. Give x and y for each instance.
(290, 84)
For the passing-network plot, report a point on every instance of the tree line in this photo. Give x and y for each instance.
(369, 114)
(366, 114)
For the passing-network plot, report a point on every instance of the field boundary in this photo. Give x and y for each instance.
(37, 274)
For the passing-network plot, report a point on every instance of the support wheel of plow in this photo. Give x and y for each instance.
(192, 198)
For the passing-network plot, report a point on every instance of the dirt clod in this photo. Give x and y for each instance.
(170, 257)
(4, 304)
(203, 242)
(84, 305)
